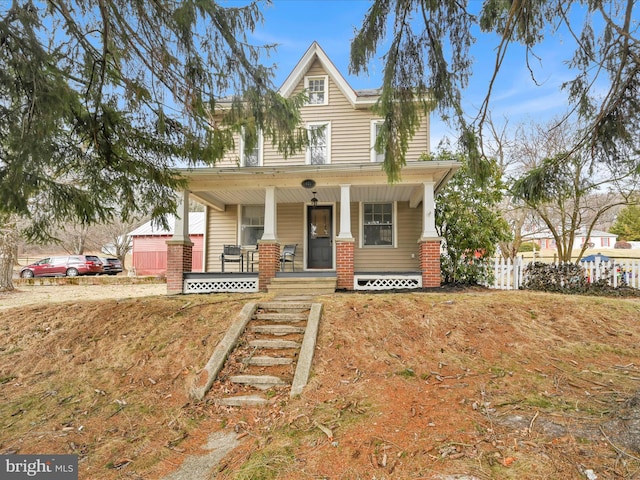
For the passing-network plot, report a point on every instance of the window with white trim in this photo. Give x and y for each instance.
(377, 224)
(317, 90)
(253, 158)
(251, 224)
(319, 149)
(376, 156)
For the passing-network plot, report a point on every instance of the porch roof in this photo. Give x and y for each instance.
(218, 187)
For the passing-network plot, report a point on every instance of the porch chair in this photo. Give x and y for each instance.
(232, 254)
(288, 256)
(253, 260)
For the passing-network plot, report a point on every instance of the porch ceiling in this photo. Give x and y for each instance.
(218, 187)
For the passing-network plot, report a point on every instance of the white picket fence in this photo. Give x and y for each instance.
(509, 275)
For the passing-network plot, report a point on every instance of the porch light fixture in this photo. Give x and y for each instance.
(314, 200)
(308, 183)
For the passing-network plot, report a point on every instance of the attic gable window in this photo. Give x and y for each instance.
(317, 90)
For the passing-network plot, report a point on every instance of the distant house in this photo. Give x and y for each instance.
(597, 239)
(149, 245)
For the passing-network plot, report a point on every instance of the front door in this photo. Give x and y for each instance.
(319, 237)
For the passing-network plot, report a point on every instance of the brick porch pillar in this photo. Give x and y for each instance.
(179, 257)
(430, 262)
(344, 264)
(269, 262)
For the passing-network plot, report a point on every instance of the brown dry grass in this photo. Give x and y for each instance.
(492, 384)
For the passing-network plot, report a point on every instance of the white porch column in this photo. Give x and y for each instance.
(345, 213)
(181, 225)
(270, 214)
(428, 212)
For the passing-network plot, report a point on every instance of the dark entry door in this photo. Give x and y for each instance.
(319, 235)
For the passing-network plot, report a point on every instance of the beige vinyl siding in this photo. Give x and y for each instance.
(389, 259)
(291, 230)
(350, 127)
(419, 144)
(222, 229)
(350, 131)
(231, 159)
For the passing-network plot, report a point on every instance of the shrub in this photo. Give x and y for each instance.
(527, 247)
(572, 278)
(468, 271)
(622, 244)
(551, 277)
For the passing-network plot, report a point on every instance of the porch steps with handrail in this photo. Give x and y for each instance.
(289, 285)
(270, 352)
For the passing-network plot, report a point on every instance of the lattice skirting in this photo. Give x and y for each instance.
(221, 285)
(386, 282)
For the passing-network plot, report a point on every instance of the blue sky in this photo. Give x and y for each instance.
(295, 24)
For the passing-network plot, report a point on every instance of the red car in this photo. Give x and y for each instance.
(70, 266)
(111, 265)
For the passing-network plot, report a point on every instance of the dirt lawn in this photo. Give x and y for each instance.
(472, 384)
(46, 294)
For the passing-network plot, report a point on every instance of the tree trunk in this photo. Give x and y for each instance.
(8, 249)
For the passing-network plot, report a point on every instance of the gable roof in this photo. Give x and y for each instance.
(196, 226)
(358, 99)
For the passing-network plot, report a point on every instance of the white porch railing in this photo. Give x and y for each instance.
(215, 282)
(386, 281)
(509, 275)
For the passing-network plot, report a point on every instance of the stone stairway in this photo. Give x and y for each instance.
(271, 350)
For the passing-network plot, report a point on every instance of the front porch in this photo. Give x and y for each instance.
(344, 222)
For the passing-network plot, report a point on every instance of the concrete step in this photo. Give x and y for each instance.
(281, 317)
(291, 287)
(274, 344)
(288, 290)
(267, 361)
(307, 285)
(277, 330)
(243, 401)
(284, 307)
(303, 279)
(294, 297)
(262, 382)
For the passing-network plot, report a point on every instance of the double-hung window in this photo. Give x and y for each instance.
(316, 88)
(253, 157)
(319, 149)
(378, 224)
(376, 156)
(251, 224)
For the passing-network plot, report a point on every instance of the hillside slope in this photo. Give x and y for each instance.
(490, 384)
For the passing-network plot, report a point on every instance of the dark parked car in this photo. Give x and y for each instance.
(111, 265)
(69, 265)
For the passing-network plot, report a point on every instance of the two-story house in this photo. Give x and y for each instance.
(333, 202)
